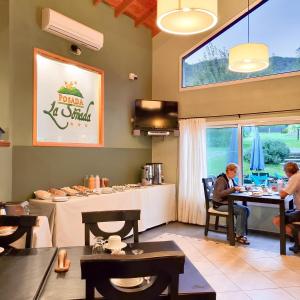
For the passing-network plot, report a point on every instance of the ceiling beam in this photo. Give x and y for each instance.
(155, 31)
(122, 7)
(145, 16)
(97, 2)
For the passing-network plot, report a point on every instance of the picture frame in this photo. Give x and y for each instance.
(68, 102)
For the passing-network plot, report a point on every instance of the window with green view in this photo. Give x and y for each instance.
(263, 150)
(221, 149)
(277, 145)
(273, 22)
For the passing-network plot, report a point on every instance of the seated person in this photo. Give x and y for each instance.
(225, 185)
(291, 170)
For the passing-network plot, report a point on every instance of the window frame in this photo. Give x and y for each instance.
(260, 121)
(256, 4)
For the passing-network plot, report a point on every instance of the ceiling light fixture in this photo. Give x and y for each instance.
(249, 57)
(186, 17)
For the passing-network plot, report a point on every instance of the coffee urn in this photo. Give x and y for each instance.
(152, 174)
(147, 174)
(157, 173)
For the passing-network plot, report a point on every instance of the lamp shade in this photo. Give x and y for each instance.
(186, 17)
(247, 58)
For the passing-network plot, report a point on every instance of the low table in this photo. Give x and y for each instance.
(267, 199)
(23, 271)
(70, 285)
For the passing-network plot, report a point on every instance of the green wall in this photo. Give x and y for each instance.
(126, 49)
(5, 118)
(37, 168)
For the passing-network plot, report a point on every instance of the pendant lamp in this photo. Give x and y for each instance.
(186, 17)
(249, 57)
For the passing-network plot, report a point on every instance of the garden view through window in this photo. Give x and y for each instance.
(265, 149)
(280, 31)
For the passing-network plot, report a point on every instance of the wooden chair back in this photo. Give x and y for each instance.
(131, 218)
(163, 268)
(24, 226)
(208, 185)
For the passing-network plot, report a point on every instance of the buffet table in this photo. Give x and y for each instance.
(157, 205)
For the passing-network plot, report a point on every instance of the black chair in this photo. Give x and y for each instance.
(208, 185)
(24, 226)
(163, 269)
(296, 230)
(131, 217)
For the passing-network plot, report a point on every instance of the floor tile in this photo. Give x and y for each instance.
(206, 268)
(251, 280)
(232, 296)
(291, 262)
(256, 271)
(251, 253)
(269, 294)
(294, 291)
(267, 264)
(220, 255)
(285, 278)
(220, 283)
(235, 266)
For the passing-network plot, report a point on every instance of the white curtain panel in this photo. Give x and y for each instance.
(192, 168)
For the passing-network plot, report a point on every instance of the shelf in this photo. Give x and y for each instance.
(4, 143)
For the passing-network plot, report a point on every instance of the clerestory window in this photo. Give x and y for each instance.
(273, 22)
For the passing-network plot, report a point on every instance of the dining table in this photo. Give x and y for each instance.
(267, 198)
(23, 272)
(69, 285)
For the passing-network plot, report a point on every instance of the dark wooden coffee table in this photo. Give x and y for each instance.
(269, 199)
(69, 285)
(23, 272)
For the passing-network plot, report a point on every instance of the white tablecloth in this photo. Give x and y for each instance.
(41, 236)
(157, 205)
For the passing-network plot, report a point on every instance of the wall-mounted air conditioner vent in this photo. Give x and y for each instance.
(71, 30)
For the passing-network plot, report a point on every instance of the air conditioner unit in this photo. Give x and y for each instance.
(71, 30)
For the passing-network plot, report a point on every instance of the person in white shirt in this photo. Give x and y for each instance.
(291, 170)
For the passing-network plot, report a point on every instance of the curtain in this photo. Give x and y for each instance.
(192, 168)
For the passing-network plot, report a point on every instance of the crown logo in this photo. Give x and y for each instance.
(70, 85)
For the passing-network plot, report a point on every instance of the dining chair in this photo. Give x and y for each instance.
(296, 231)
(158, 271)
(24, 225)
(208, 185)
(131, 218)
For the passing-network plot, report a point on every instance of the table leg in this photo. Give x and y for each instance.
(282, 228)
(231, 222)
(245, 203)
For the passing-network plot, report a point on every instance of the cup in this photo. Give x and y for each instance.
(114, 242)
(280, 184)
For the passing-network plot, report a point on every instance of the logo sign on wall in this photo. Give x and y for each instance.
(68, 102)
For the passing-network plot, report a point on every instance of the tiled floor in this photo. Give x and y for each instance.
(255, 272)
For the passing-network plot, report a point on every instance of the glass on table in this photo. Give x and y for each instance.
(133, 248)
(98, 245)
(137, 251)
